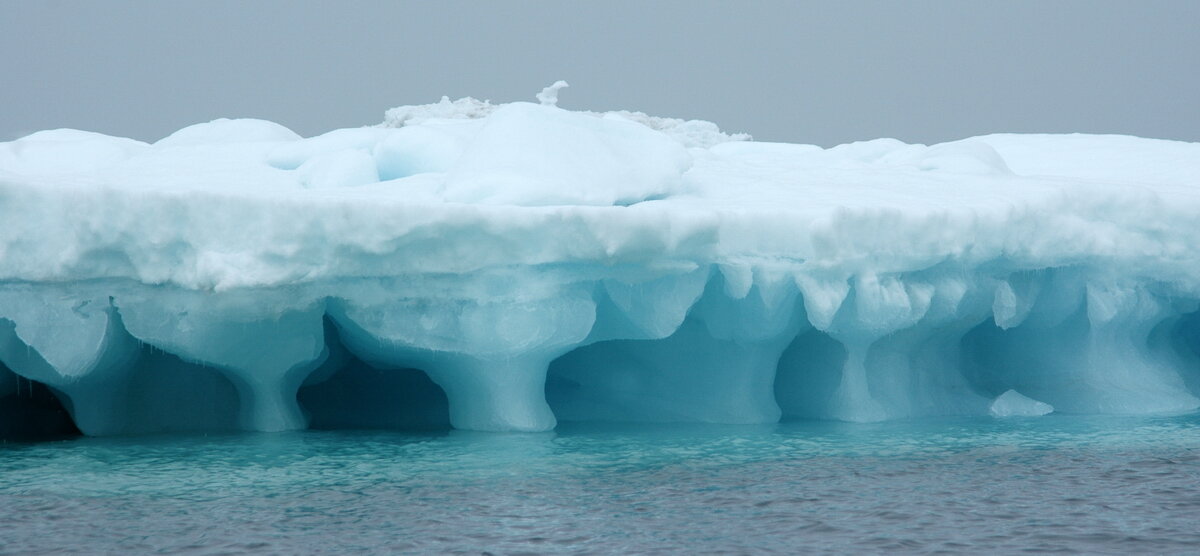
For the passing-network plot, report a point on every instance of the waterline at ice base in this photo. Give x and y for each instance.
(505, 267)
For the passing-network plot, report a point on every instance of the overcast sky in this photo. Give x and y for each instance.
(814, 72)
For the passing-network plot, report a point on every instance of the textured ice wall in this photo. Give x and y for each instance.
(499, 267)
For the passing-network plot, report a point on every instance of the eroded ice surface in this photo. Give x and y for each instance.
(533, 263)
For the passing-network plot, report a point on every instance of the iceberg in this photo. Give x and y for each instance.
(500, 267)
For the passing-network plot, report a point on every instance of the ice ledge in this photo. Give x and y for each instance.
(520, 350)
(1013, 404)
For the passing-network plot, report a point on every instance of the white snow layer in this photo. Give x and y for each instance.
(537, 263)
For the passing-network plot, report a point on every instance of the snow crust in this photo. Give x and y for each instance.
(518, 264)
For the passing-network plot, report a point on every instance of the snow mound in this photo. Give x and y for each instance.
(536, 155)
(222, 131)
(65, 151)
(519, 264)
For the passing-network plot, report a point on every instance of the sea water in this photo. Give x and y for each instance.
(1066, 484)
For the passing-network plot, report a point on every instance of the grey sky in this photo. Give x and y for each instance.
(824, 73)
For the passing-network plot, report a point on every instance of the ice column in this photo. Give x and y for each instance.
(490, 355)
(265, 342)
(73, 342)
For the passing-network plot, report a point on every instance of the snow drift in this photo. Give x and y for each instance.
(503, 266)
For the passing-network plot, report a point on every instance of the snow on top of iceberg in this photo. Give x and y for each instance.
(536, 155)
(689, 133)
(65, 151)
(462, 109)
(225, 131)
(246, 202)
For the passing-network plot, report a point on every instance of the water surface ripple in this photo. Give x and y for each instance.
(1055, 484)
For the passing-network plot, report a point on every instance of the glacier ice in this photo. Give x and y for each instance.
(505, 266)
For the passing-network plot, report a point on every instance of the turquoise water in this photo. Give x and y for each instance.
(1052, 484)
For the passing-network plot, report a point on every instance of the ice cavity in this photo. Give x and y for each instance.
(503, 267)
